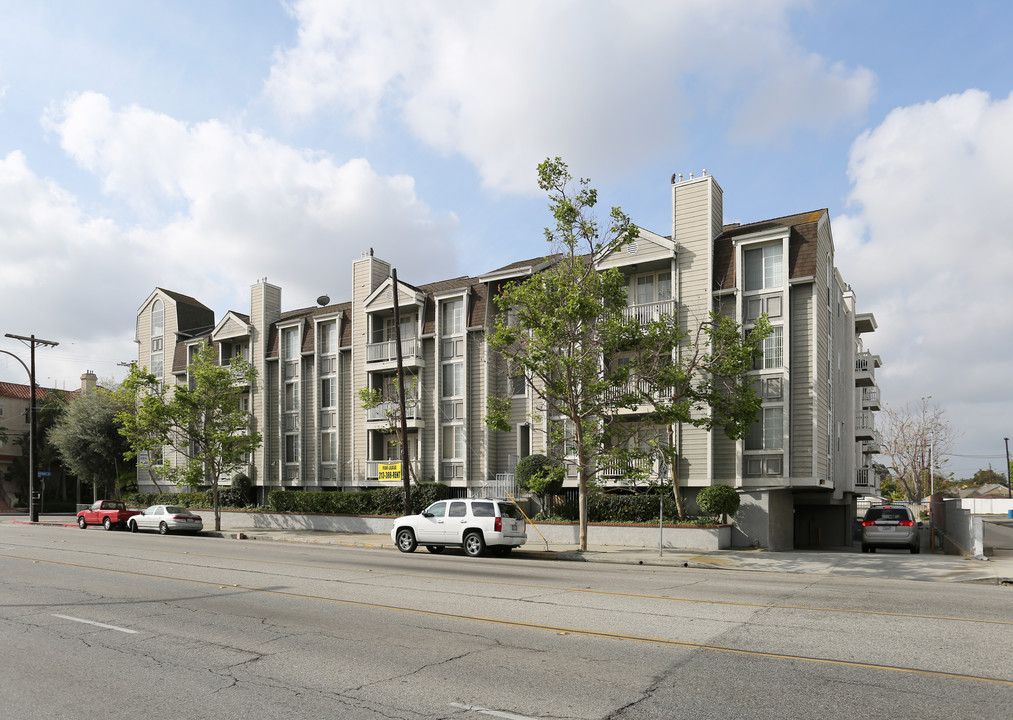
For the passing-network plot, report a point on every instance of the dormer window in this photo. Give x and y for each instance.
(764, 267)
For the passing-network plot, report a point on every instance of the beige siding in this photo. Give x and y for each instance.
(345, 429)
(694, 208)
(801, 399)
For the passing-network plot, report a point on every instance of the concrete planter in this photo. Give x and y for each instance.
(707, 537)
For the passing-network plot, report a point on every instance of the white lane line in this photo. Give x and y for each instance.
(487, 711)
(97, 624)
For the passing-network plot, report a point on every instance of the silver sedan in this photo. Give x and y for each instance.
(165, 519)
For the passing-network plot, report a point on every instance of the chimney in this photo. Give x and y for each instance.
(89, 381)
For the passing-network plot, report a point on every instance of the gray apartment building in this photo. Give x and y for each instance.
(799, 472)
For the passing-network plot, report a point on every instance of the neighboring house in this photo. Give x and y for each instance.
(799, 472)
(991, 490)
(14, 424)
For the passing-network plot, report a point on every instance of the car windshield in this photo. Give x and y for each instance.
(511, 511)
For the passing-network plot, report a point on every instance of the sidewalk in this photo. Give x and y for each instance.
(839, 562)
(896, 565)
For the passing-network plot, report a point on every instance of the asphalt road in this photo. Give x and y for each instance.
(143, 625)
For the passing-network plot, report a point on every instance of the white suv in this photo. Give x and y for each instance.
(472, 524)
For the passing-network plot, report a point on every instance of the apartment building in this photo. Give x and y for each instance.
(799, 472)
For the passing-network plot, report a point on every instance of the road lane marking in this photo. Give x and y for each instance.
(585, 591)
(96, 624)
(537, 626)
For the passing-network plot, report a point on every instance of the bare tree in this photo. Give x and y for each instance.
(916, 439)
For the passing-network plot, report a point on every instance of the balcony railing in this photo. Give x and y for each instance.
(865, 426)
(866, 477)
(865, 369)
(622, 469)
(412, 411)
(373, 467)
(870, 398)
(648, 312)
(411, 349)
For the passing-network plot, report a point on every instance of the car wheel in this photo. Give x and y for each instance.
(132, 525)
(107, 523)
(865, 548)
(435, 549)
(163, 529)
(81, 523)
(474, 544)
(406, 540)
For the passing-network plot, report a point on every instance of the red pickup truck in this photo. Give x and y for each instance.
(107, 513)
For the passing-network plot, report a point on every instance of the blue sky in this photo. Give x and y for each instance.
(200, 146)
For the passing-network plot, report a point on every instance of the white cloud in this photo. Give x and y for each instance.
(244, 205)
(927, 246)
(222, 206)
(507, 83)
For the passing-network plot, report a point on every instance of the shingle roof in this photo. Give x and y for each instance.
(23, 392)
(802, 261)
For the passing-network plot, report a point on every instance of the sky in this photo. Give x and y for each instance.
(200, 146)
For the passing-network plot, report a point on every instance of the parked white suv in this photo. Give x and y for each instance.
(473, 524)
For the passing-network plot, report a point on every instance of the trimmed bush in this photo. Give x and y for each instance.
(718, 500)
(639, 509)
(380, 501)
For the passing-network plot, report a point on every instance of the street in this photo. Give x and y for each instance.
(139, 625)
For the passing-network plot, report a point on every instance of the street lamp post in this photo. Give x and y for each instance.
(31, 341)
(1009, 472)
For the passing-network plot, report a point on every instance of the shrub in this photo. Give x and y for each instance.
(379, 501)
(718, 500)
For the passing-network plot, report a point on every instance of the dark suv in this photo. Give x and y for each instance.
(890, 526)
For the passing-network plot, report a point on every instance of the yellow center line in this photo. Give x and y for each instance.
(536, 626)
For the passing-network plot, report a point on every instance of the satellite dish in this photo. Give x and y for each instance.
(323, 300)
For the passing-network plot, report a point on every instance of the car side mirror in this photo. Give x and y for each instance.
(427, 514)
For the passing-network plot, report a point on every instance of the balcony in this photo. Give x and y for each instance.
(865, 369)
(615, 470)
(649, 312)
(373, 469)
(389, 408)
(386, 352)
(865, 477)
(870, 398)
(865, 427)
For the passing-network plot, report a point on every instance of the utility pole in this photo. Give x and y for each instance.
(31, 341)
(401, 400)
(1009, 472)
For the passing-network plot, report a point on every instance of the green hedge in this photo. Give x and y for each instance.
(380, 501)
(227, 498)
(605, 508)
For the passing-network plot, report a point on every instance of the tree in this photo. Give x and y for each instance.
(88, 439)
(567, 316)
(916, 439)
(701, 381)
(540, 475)
(719, 500)
(202, 422)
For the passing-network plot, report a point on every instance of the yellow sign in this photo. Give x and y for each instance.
(390, 472)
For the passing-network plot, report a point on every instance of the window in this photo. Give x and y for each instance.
(157, 365)
(453, 379)
(763, 267)
(773, 349)
(291, 397)
(768, 433)
(291, 448)
(328, 392)
(453, 317)
(290, 344)
(656, 287)
(157, 319)
(458, 509)
(328, 447)
(453, 442)
(518, 383)
(327, 338)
